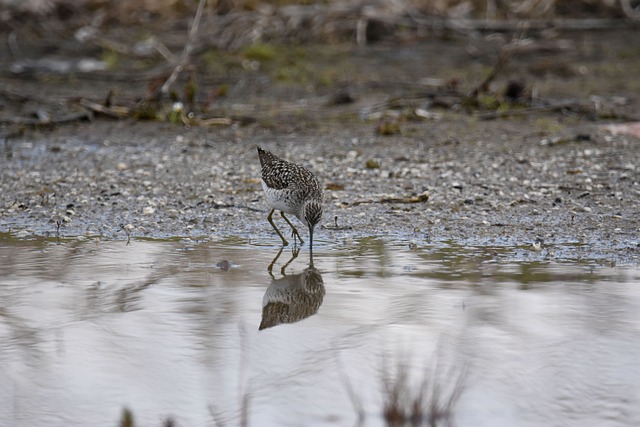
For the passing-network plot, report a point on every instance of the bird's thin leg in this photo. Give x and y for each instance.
(284, 241)
(270, 268)
(294, 255)
(294, 230)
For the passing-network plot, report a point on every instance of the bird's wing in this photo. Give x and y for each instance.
(281, 175)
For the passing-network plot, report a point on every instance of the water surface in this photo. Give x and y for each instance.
(201, 331)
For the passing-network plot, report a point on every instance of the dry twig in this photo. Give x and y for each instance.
(420, 198)
(506, 52)
(185, 57)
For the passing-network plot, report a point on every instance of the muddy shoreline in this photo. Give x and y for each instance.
(187, 183)
(556, 176)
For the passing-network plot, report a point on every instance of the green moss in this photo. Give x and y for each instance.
(221, 63)
(146, 111)
(174, 117)
(320, 65)
(111, 58)
(490, 102)
(388, 127)
(294, 73)
(223, 90)
(549, 125)
(327, 77)
(260, 52)
(628, 53)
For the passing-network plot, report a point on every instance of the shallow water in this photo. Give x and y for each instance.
(189, 330)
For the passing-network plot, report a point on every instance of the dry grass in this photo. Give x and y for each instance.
(429, 403)
(428, 400)
(127, 420)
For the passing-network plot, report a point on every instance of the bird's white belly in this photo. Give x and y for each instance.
(279, 199)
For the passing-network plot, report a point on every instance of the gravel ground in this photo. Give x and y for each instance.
(489, 184)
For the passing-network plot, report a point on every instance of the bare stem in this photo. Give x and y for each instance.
(185, 57)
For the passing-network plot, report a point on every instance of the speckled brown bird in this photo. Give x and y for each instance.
(291, 189)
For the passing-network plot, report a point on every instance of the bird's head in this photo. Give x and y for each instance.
(311, 215)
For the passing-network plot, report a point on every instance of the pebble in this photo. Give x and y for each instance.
(224, 265)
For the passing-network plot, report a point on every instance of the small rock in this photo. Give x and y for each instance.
(341, 97)
(537, 244)
(372, 164)
(428, 115)
(224, 265)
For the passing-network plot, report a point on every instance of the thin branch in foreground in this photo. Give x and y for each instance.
(185, 57)
(506, 52)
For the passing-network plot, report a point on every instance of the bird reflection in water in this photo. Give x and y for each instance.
(292, 297)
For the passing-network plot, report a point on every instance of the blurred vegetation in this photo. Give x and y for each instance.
(128, 12)
(188, 56)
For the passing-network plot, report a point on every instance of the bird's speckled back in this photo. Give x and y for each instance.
(279, 174)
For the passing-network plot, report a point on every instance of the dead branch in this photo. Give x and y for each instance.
(116, 112)
(185, 57)
(420, 198)
(506, 52)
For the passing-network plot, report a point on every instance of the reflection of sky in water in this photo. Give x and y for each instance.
(86, 329)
